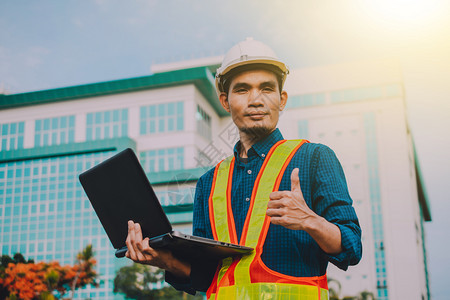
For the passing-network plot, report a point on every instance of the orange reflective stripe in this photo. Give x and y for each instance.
(230, 216)
(212, 218)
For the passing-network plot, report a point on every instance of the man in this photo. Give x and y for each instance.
(287, 199)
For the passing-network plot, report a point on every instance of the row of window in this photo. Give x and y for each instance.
(164, 117)
(162, 159)
(159, 118)
(375, 200)
(203, 123)
(11, 136)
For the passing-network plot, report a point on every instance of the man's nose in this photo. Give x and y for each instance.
(256, 98)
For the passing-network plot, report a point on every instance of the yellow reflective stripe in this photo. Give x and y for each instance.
(220, 201)
(258, 214)
(226, 263)
(242, 270)
(264, 290)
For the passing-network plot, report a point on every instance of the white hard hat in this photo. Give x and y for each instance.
(249, 52)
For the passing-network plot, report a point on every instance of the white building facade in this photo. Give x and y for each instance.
(174, 122)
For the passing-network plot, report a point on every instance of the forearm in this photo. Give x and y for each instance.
(326, 234)
(178, 268)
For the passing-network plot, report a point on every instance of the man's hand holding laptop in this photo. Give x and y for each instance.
(140, 251)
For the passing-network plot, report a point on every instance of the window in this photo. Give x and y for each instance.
(303, 129)
(203, 123)
(164, 117)
(54, 131)
(107, 124)
(163, 159)
(305, 100)
(11, 136)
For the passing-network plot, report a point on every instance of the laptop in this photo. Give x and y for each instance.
(119, 190)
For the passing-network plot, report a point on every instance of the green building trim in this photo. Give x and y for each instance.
(116, 144)
(201, 77)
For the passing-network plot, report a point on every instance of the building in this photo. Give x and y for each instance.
(173, 120)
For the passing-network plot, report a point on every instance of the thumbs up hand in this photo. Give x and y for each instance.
(288, 208)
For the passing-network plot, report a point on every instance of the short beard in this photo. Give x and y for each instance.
(257, 133)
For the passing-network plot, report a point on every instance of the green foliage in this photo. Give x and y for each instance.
(135, 282)
(17, 258)
(334, 291)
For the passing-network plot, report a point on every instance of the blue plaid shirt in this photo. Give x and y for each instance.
(290, 252)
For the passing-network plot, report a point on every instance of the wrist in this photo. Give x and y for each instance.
(313, 223)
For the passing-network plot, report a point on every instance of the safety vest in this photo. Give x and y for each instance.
(247, 277)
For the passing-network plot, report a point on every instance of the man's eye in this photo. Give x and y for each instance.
(241, 90)
(267, 89)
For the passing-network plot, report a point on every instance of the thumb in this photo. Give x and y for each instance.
(295, 182)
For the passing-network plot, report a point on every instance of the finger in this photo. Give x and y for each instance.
(138, 242)
(147, 249)
(138, 232)
(130, 240)
(273, 212)
(295, 182)
(278, 221)
(277, 195)
(275, 203)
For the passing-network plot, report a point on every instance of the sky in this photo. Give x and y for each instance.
(48, 44)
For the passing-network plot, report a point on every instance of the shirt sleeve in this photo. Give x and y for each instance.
(202, 272)
(332, 201)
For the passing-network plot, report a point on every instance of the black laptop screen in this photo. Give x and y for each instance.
(120, 191)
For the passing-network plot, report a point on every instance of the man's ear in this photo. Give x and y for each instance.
(283, 100)
(223, 98)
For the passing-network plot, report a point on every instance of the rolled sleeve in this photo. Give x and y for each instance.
(351, 247)
(202, 273)
(332, 201)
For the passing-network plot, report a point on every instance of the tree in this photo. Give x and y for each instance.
(85, 273)
(334, 291)
(20, 279)
(136, 282)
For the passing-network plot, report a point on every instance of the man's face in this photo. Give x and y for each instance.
(254, 102)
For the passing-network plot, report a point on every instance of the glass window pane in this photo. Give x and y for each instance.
(47, 124)
(89, 119)
(170, 124)
(55, 123)
(161, 110)
(21, 127)
(5, 129)
(115, 116)
(152, 111)
(152, 126)
(107, 116)
(179, 108)
(13, 128)
(180, 123)
(98, 118)
(171, 108)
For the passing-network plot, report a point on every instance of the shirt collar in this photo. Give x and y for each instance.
(262, 147)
